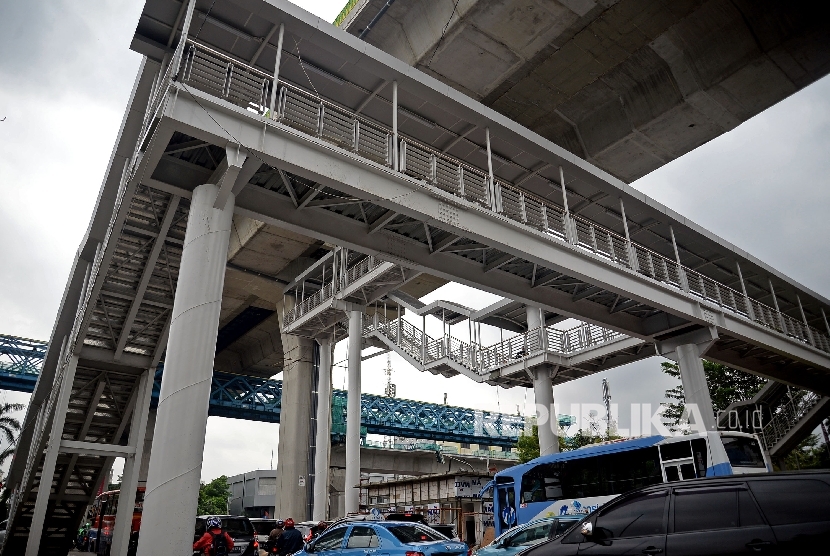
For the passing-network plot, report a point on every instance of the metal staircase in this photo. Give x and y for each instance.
(781, 416)
(572, 351)
(793, 421)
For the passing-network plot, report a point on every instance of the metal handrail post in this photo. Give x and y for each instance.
(781, 322)
(395, 161)
(681, 272)
(491, 190)
(568, 224)
(424, 340)
(806, 324)
(188, 18)
(632, 260)
(276, 81)
(750, 311)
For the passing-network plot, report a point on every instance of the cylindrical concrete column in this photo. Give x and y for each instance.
(695, 389)
(176, 460)
(353, 414)
(543, 393)
(292, 499)
(323, 441)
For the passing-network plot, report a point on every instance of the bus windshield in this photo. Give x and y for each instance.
(743, 451)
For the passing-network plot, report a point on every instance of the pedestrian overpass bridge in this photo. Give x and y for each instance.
(268, 137)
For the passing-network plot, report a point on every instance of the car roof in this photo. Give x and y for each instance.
(741, 478)
(814, 473)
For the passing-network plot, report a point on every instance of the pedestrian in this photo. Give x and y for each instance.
(214, 542)
(290, 541)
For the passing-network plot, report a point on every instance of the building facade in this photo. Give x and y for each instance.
(253, 494)
(448, 499)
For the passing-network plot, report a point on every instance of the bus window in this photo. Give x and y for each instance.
(609, 474)
(743, 451)
(542, 483)
(676, 450)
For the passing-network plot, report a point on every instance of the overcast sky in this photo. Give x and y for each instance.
(65, 76)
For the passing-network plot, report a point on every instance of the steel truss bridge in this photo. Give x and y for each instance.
(259, 399)
(347, 145)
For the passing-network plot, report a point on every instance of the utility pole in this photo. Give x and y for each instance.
(606, 398)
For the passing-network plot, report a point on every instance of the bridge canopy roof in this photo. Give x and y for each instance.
(352, 73)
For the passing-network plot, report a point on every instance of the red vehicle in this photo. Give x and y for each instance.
(102, 518)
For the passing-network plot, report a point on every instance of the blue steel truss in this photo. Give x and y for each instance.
(259, 399)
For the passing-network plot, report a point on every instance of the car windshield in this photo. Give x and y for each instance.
(263, 527)
(415, 533)
(743, 451)
(237, 526)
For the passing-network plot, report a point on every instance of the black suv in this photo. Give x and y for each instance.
(238, 527)
(782, 513)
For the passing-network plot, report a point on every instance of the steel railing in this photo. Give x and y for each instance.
(330, 289)
(787, 416)
(238, 83)
(484, 359)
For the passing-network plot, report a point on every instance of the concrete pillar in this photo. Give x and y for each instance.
(295, 428)
(323, 441)
(51, 457)
(695, 389)
(543, 393)
(353, 414)
(176, 462)
(132, 466)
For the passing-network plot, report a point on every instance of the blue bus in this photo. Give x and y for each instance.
(579, 481)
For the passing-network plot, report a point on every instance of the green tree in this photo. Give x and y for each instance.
(528, 445)
(809, 454)
(9, 427)
(726, 386)
(580, 439)
(213, 497)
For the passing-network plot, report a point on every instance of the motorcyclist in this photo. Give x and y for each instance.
(83, 536)
(275, 534)
(290, 541)
(214, 542)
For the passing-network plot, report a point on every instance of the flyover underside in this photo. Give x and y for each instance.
(626, 84)
(453, 238)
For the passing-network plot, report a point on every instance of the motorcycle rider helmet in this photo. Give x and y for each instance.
(280, 524)
(289, 522)
(214, 523)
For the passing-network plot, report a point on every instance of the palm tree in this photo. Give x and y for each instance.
(9, 427)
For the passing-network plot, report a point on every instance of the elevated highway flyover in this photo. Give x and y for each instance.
(258, 399)
(272, 117)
